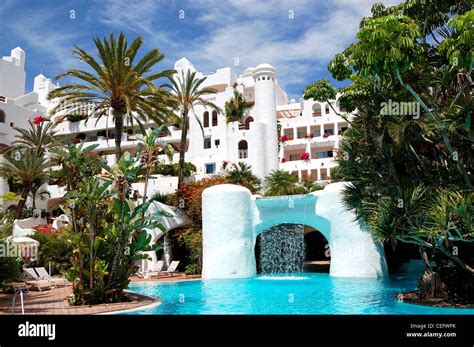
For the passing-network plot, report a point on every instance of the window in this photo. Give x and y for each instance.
(294, 157)
(207, 143)
(316, 110)
(206, 119)
(320, 155)
(214, 118)
(2, 116)
(248, 120)
(329, 131)
(243, 149)
(327, 109)
(329, 153)
(210, 168)
(217, 143)
(343, 129)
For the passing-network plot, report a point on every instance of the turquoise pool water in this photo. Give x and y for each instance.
(293, 294)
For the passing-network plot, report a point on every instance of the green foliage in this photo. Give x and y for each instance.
(163, 198)
(173, 169)
(242, 175)
(308, 186)
(119, 82)
(110, 237)
(410, 174)
(191, 269)
(188, 93)
(458, 47)
(75, 117)
(10, 267)
(280, 182)
(235, 107)
(54, 250)
(321, 91)
(192, 240)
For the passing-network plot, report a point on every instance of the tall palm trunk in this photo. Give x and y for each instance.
(21, 203)
(118, 134)
(182, 149)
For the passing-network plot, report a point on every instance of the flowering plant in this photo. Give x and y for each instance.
(305, 156)
(309, 136)
(283, 160)
(46, 229)
(285, 138)
(326, 135)
(38, 120)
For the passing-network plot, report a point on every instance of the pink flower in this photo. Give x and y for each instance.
(305, 156)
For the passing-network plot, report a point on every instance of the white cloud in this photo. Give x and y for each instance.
(51, 45)
(296, 47)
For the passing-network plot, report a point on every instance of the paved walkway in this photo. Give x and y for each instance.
(52, 301)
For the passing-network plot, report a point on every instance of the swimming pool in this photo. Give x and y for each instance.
(307, 293)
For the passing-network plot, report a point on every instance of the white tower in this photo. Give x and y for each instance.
(20, 56)
(12, 74)
(265, 103)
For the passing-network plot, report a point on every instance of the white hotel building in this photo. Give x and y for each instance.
(308, 127)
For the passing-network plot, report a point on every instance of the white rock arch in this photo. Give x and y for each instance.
(233, 218)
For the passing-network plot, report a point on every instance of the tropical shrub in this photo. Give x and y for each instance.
(10, 267)
(54, 250)
(189, 197)
(408, 151)
(242, 175)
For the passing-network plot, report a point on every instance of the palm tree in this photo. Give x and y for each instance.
(149, 147)
(235, 107)
(242, 175)
(116, 84)
(37, 192)
(280, 182)
(28, 169)
(188, 94)
(39, 138)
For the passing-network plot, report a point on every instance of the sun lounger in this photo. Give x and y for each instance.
(172, 268)
(156, 270)
(43, 275)
(33, 280)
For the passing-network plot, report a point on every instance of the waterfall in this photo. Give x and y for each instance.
(282, 249)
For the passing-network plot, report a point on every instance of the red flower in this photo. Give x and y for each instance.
(283, 160)
(224, 164)
(285, 138)
(46, 229)
(325, 135)
(309, 136)
(305, 156)
(38, 120)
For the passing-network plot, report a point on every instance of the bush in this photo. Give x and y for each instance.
(10, 267)
(54, 249)
(190, 197)
(192, 240)
(172, 169)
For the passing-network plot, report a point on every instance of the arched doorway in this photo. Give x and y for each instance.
(243, 149)
(317, 251)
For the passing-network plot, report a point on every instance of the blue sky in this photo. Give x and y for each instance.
(297, 37)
